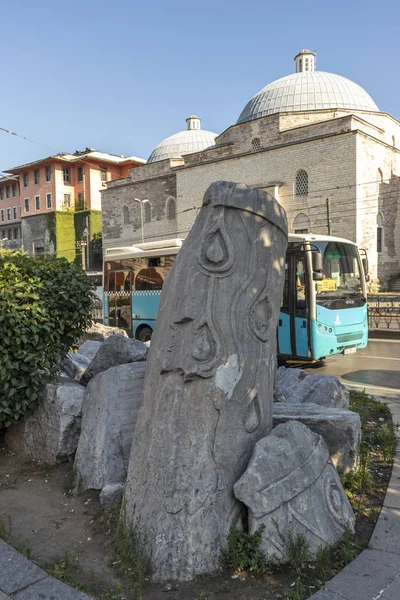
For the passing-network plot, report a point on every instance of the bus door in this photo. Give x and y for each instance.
(293, 330)
(119, 299)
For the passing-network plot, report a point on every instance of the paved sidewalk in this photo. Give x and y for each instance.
(375, 573)
(21, 579)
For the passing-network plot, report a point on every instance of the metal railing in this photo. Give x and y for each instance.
(384, 311)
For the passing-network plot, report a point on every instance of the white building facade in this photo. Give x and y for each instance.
(315, 140)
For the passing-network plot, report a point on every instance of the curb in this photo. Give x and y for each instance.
(375, 573)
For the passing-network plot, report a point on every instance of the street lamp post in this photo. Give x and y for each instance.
(141, 202)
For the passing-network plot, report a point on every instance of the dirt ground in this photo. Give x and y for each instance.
(41, 519)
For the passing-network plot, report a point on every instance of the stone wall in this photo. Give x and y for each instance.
(122, 214)
(35, 234)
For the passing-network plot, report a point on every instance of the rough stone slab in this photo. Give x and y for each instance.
(386, 535)
(50, 589)
(89, 349)
(210, 380)
(109, 415)
(112, 495)
(16, 571)
(299, 387)
(116, 350)
(52, 431)
(4, 597)
(340, 428)
(366, 576)
(99, 332)
(75, 364)
(291, 484)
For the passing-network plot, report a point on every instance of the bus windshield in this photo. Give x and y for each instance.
(341, 273)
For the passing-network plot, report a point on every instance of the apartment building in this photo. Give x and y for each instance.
(10, 213)
(59, 200)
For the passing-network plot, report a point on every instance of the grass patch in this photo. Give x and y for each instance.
(65, 569)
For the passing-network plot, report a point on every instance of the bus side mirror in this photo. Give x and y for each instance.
(365, 267)
(317, 266)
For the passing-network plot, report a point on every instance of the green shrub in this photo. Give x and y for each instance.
(243, 552)
(45, 304)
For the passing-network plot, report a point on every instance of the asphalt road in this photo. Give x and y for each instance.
(375, 369)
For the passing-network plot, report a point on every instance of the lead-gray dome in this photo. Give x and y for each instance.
(194, 139)
(307, 90)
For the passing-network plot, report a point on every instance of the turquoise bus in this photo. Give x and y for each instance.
(324, 304)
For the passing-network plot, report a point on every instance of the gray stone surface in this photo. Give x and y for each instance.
(392, 592)
(115, 350)
(50, 589)
(366, 576)
(392, 498)
(291, 485)
(99, 332)
(325, 595)
(210, 380)
(109, 417)
(340, 428)
(16, 571)
(112, 495)
(298, 387)
(75, 364)
(52, 431)
(386, 534)
(4, 597)
(89, 349)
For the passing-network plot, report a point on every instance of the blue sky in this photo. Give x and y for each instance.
(122, 76)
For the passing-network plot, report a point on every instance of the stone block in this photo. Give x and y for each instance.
(340, 428)
(99, 332)
(109, 417)
(89, 349)
(111, 495)
(115, 350)
(52, 431)
(299, 387)
(74, 365)
(291, 486)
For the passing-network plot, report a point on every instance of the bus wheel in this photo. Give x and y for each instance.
(145, 334)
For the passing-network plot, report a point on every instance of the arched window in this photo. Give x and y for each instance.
(147, 212)
(171, 209)
(301, 183)
(380, 176)
(379, 233)
(126, 215)
(393, 141)
(301, 224)
(255, 144)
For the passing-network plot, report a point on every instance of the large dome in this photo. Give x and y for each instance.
(193, 139)
(307, 90)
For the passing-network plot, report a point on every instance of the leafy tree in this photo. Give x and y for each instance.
(45, 304)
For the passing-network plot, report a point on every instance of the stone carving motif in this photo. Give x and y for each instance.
(292, 486)
(209, 386)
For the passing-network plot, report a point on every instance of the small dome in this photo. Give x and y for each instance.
(192, 140)
(307, 90)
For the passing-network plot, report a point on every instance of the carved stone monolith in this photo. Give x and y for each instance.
(210, 380)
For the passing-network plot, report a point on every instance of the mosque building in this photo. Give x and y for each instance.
(316, 141)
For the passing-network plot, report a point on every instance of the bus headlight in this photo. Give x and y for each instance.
(330, 329)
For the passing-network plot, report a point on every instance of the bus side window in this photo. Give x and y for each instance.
(300, 286)
(111, 282)
(285, 295)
